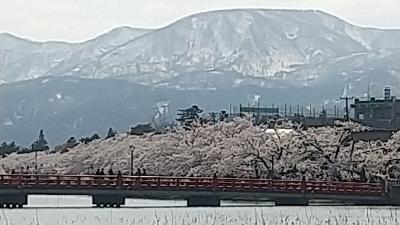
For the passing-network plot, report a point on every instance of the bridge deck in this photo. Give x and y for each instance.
(188, 183)
(187, 187)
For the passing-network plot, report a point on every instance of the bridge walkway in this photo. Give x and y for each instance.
(198, 191)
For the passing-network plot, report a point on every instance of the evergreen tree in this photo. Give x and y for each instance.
(40, 144)
(24, 151)
(223, 115)
(213, 116)
(86, 140)
(186, 117)
(141, 129)
(6, 149)
(71, 142)
(94, 137)
(111, 133)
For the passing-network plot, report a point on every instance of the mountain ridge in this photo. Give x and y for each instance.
(22, 55)
(114, 66)
(107, 56)
(211, 59)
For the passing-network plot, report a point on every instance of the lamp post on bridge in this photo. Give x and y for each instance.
(131, 165)
(34, 149)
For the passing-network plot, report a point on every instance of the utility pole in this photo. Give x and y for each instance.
(334, 111)
(347, 106)
(258, 110)
(285, 109)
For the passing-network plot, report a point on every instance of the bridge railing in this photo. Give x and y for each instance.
(343, 187)
(188, 183)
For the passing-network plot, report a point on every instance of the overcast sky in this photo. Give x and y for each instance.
(77, 20)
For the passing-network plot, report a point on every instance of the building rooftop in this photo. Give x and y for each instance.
(375, 101)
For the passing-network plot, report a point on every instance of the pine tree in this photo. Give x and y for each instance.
(71, 142)
(187, 116)
(87, 140)
(111, 133)
(41, 140)
(94, 137)
(141, 129)
(6, 149)
(40, 144)
(223, 115)
(213, 116)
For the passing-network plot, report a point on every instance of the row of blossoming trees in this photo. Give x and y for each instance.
(236, 148)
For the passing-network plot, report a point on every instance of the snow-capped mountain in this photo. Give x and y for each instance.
(88, 52)
(297, 47)
(22, 59)
(268, 48)
(252, 43)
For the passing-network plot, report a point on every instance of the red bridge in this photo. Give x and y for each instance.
(111, 191)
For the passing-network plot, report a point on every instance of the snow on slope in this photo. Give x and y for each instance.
(22, 59)
(251, 42)
(229, 149)
(88, 51)
(292, 46)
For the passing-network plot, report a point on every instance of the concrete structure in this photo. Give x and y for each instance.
(262, 111)
(378, 113)
(260, 114)
(111, 191)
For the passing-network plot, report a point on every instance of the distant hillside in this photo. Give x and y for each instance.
(66, 107)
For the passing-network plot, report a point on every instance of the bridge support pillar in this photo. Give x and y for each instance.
(394, 196)
(111, 200)
(291, 202)
(203, 201)
(13, 200)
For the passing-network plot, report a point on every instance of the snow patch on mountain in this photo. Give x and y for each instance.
(8, 122)
(356, 34)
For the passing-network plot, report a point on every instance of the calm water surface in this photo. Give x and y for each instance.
(73, 210)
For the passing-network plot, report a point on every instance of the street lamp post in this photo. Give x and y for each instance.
(131, 148)
(36, 153)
